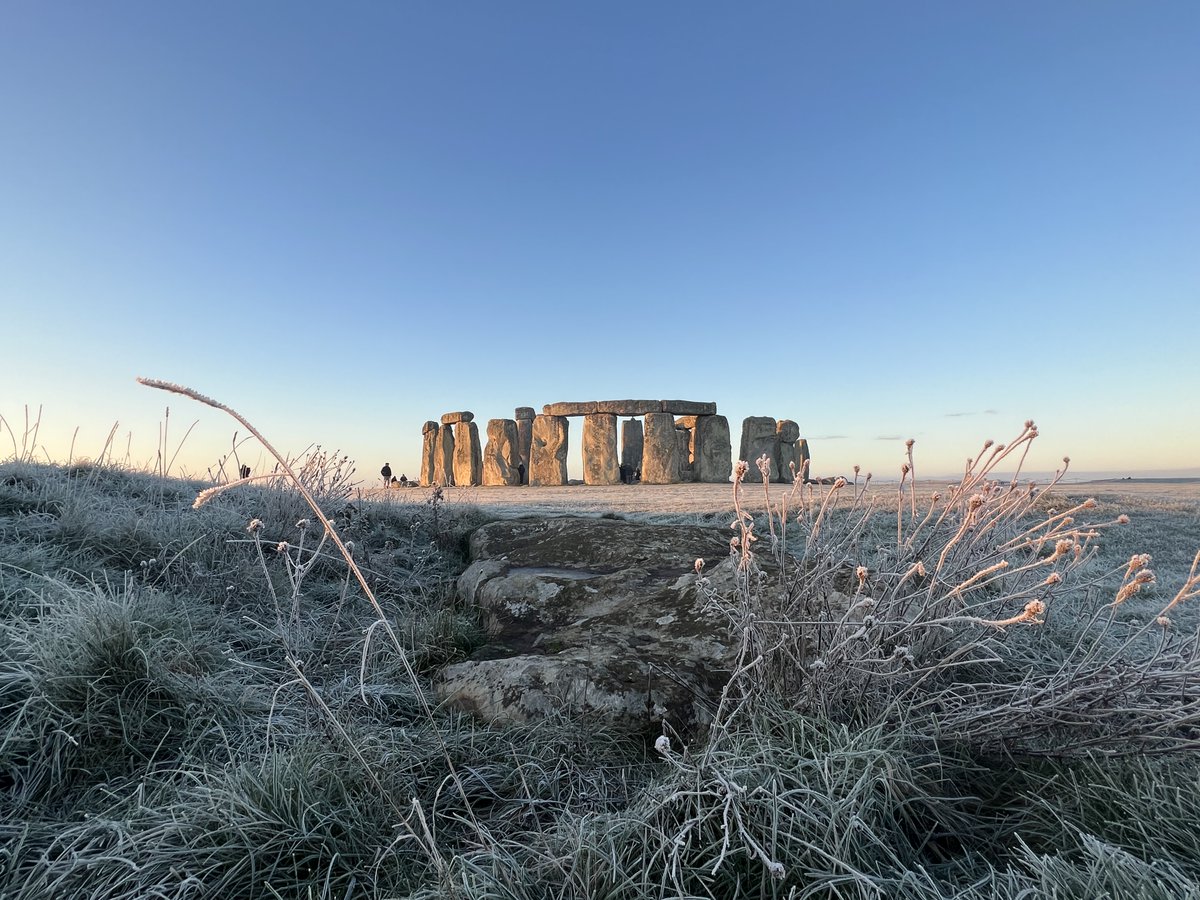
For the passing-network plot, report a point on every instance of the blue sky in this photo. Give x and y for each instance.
(881, 220)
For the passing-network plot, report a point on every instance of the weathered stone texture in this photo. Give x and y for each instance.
(803, 460)
(524, 412)
(689, 408)
(788, 432)
(548, 451)
(683, 440)
(524, 442)
(468, 458)
(600, 450)
(443, 457)
(631, 445)
(759, 436)
(453, 418)
(428, 452)
(660, 453)
(712, 453)
(501, 455)
(576, 628)
(630, 408)
(585, 408)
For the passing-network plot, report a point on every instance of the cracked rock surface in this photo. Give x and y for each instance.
(595, 618)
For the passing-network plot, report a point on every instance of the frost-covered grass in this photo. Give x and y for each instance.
(195, 706)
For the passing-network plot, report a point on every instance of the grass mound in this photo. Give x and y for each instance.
(985, 697)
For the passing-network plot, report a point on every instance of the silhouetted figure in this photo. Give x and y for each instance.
(243, 471)
(395, 482)
(637, 474)
(386, 472)
(521, 473)
(404, 481)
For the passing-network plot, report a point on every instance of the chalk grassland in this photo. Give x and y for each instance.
(209, 702)
(702, 500)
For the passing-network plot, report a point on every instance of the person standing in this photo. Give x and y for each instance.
(386, 472)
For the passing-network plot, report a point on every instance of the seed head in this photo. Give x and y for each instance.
(1122, 519)
(764, 466)
(255, 525)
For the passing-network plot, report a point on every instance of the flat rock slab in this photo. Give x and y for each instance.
(630, 408)
(596, 618)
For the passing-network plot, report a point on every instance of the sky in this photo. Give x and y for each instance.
(926, 220)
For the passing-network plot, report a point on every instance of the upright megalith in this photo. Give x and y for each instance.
(683, 440)
(501, 457)
(660, 453)
(759, 437)
(524, 416)
(787, 432)
(631, 449)
(548, 451)
(443, 457)
(468, 458)
(712, 460)
(803, 460)
(600, 449)
(428, 449)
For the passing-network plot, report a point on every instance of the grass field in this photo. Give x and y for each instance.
(207, 703)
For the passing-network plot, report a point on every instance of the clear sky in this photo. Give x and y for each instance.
(882, 220)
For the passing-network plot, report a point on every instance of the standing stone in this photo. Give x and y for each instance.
(500, 456)
(548, 451)
(428, 449)
(468, 458)
(758, 437)
(787, 432)
(631, 446)
(803, 461)
(600, 449)
(443, 458)
(524, 417)
(712, 452)
(660, 454)
(683, 438)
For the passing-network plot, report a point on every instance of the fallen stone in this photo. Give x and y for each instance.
(595, 617)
